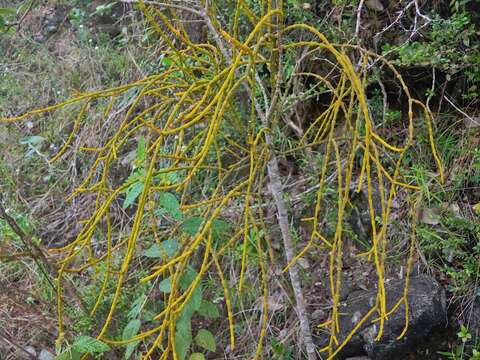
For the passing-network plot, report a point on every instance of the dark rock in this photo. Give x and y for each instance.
(110, 21)
(427, 315)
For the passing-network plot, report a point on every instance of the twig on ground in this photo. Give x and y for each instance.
(38, 255)
(461, 112)
(17, 346)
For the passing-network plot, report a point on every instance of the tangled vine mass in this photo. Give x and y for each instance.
(180, 120)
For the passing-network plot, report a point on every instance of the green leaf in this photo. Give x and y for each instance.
(130, 349)
(103, 9)
(208, 310)
(87, 344)
(131, 329)
(187, 277)
(8, 12)
(192, 225)
(149, 314)
(196, 299)
(166, 285)
(183, 336)
(219, 227)
(133, 193)
(136, 176)
(128, 332)
(206, 340)
(68, 354)
(197, 356)
(136, 307)
(165, 250)
(141, 152)
(171, 204)
(167, 61)
(32, 140)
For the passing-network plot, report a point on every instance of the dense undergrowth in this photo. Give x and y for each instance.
(237, 146)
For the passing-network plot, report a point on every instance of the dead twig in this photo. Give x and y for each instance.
(17, 346)
(48, 269)
(359, 18)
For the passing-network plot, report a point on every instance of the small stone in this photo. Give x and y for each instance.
(472, 122)
(31, 350)
(318, 314)
(303, 263)
(51, 29)
(45, 355)
(430, 217)
(375, 5)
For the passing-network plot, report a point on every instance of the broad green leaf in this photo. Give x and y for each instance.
(165, 250)
(136, 307)
(87, 344)
(208, 310)
(171, 204)
(192, 225)
(197, 356)
(32, 140)
(183, 336)
(219, 227)
(193, 303)
(131, 329)
(8, 12)
(149, 314)
(136, 176)
(185, 281)
(196, 299)
(133, 193)
(206, 340)
(68, 354)
(166, 285)
(128, 332)
(188, 276)
(130, 349)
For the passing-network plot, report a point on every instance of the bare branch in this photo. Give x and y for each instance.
(359, 18)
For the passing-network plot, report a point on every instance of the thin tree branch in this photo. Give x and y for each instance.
(359, 18)
(165, 5)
